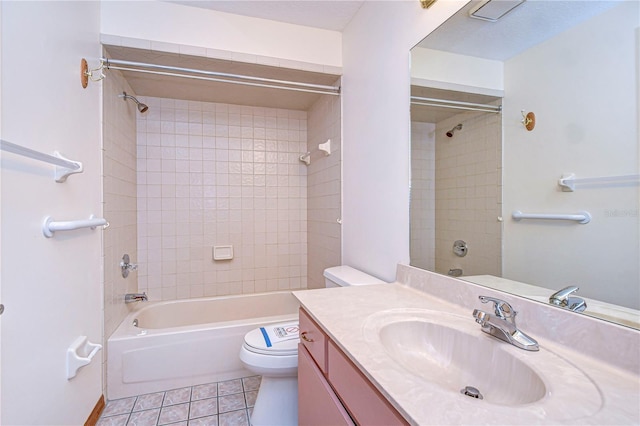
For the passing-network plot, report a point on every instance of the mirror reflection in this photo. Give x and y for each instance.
(525, 160)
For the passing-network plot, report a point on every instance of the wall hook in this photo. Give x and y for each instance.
(86, 74)
(528, 120)
(305, 158)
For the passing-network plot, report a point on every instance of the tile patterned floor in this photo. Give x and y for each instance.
(214, 404)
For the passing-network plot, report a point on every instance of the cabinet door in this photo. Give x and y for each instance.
(314, 339)
(317, 404)
(360, 397)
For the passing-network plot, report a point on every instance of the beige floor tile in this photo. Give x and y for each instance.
(209, 390)
(234, 418)
(173, 413)
(231, 403)
(229, 387)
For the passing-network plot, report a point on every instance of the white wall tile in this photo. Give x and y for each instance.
(210, 190)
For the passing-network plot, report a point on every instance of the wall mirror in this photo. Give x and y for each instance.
(478, 164)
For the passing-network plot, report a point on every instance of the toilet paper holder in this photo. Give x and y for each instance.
(79, 354)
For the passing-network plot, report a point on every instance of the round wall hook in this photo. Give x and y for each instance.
(84, 70)
(528, 120)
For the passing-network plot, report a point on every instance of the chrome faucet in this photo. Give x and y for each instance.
(135, 297)
(564, 299)
(502, 324)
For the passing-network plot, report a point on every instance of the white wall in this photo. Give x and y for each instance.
(178, 24)
(585, 101)
(51, 287)
(376, 130)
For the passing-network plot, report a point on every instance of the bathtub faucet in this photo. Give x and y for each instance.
(135, 297)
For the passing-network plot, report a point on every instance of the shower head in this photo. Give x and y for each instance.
(141, 107)
(458, 127)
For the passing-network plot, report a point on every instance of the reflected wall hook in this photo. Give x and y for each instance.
(528, 120)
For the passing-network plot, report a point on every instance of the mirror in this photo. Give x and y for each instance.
(574, 65)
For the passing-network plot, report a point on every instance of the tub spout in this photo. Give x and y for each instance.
(135, 297)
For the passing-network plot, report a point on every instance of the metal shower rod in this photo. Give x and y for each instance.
(197, 74)
(443, 103)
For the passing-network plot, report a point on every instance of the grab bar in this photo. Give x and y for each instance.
(49, 226)
(64, 166)
(568, 181)
(581, 217)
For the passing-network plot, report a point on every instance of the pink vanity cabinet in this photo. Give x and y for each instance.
(331, 389)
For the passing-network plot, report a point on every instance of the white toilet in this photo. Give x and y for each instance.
(272, 352)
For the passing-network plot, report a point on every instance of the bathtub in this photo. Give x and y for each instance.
(167, 345)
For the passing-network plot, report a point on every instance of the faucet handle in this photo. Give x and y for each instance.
(480, 316)
(562, 295)
(502, 309)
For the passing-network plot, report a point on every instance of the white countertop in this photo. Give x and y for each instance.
(343, 312)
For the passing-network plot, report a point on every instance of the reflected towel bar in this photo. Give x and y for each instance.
(49, 226)
(64, 166)
(580, 217)
(568, 181)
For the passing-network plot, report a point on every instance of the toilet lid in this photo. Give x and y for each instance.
(274, 339)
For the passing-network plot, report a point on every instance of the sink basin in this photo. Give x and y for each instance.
(455, 359)
(445, 353)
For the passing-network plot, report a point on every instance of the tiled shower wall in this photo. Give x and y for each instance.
(469, 193)
(217, 174)
(119, 200)
(119, 197)
(422, 212)
(324, 189)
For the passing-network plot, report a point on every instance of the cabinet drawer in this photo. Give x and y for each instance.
(359, 396)
(314, 340)
(317, 404)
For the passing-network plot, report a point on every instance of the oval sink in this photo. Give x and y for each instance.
(450, 353)
(455, 359)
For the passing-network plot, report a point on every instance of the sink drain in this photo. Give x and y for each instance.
(472, 392)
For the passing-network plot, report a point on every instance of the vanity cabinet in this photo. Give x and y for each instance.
(331, 389)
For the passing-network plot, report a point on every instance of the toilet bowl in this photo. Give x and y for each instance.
(272, 352)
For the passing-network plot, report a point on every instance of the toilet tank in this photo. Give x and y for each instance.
(343, 276)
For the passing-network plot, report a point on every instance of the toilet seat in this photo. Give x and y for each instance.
(258, 341)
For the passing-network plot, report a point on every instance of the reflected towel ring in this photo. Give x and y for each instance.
(528, 120)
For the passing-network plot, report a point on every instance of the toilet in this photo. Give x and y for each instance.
(272, 352)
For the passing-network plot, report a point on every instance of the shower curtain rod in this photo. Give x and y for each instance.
(443, 103)
(196, 74)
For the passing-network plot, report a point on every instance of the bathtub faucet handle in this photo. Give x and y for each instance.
(126, 266)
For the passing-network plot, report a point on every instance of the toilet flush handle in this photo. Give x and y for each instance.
(304, 337)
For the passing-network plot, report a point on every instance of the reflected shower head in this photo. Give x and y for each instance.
(458, 127)
(141, 107)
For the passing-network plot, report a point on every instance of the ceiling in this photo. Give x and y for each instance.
(531, 23)
(328, 14)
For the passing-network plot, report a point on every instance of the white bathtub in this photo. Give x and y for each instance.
(188, 342)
